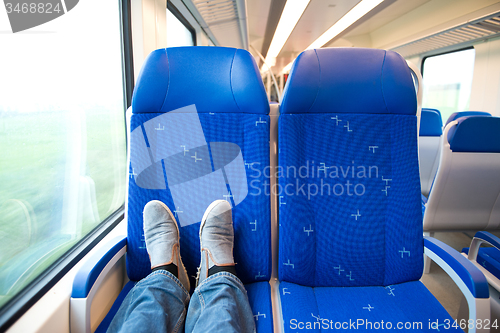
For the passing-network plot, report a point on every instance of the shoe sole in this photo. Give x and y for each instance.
(178, 237)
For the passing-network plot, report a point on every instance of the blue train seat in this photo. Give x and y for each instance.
(350, 235)
(429, 147)
(467, 185)
(456, 115)
(487, 259)
(199, 131)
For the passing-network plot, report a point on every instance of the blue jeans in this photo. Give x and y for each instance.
(159, 303)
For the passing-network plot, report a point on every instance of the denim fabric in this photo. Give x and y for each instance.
(159, 303)
(220, 304)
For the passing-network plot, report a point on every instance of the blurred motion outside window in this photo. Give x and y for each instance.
(447, 82)
(62, 137)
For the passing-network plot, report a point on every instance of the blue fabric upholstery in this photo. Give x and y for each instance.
(215, 79)
(489, 258)
(375, 158)
(322, 81)
(456, 115)
(344, 308)
(258, 296)
(350, 214)
(230, 107)
(431, 123)
(252, 249)
(475, 134)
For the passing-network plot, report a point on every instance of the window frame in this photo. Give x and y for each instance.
(36, 289)
(442, 53)
(183, 20)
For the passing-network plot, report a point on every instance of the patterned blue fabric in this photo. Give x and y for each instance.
(251, 216)
(489, 258)
(356, 218)
(259, 296)
(362, 309)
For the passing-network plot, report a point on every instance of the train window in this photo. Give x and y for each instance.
(179, 31)
(447, 81)
(62, 138)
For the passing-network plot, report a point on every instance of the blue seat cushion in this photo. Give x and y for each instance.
(475, 135)
(216, 79)
(431, 123)
(349, 80)
(259, 296)
(251, 215)
(361, 217)
(328, 308)
(456, 115)
(489, 258)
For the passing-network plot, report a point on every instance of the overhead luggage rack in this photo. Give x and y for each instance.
(224, 21)
(464, 34)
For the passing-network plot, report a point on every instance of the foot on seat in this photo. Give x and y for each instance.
(162, 240)
(216, 240)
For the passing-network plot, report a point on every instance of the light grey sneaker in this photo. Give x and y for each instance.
(161, 234)
(216, 238)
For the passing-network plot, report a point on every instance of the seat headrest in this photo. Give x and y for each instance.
(350, 80)
(431, 123)
(215, 79)
(456, 115)
(475, 134)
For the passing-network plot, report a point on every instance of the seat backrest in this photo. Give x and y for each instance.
(466, 191)
(429, 146)
(350, 206)
(457, 115)
(199, 132)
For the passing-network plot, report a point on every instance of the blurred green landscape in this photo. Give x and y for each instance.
(37, 151)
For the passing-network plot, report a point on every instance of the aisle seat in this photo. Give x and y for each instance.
(429, 147)
(467, 185)
(355, 253)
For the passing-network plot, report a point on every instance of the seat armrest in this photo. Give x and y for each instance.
(90, 271)
(88, 280)
(469, 279)
(479, 238)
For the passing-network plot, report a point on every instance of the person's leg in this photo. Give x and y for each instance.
(158, 302)
(220, 301)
